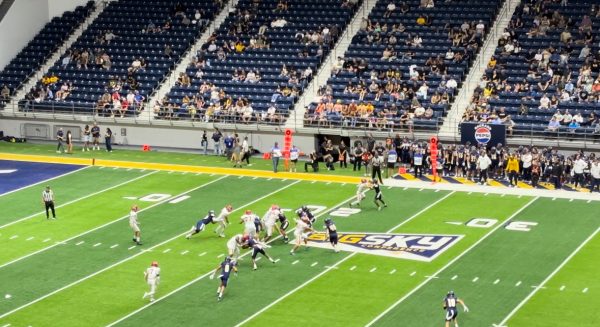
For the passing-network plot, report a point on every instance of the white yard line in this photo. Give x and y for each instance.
(79, 199)
(45, 181)
(562, 264)
(137, 254)
(338, 263)
(110, 222)
(474, 245)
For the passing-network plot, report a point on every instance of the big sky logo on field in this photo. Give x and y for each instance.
(483, 133)
(420, 247)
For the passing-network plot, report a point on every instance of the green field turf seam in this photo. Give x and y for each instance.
(335, 265)
(45, 181)
(450, 263)
(195, 280)
(81, 198)
(547, 279)
(135, 255)
(110, 223)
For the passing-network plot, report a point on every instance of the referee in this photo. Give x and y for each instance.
(376, 162)
(48, 200)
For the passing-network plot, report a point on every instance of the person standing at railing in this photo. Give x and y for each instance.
(60, 137)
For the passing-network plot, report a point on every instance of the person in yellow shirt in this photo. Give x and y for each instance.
(239, 47)
(512, 169)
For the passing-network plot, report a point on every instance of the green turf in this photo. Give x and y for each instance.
(158, 224)
(499, 263)
(27, 202)
(375, 291)
(88, 214)
(252, 291)
(184, 158)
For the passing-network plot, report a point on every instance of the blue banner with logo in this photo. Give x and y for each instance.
(486, 134)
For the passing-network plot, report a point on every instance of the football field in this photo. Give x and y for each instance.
(515, 260)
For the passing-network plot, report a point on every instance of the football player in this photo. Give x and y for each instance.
(302, 226)
(270, 221)
(222, 220)
(331, 231)
(135, 224)
(304, 211)
(226, 267)
(201, 224)
(361, 189)
(257, 247)
(152, 277)
(233, 246)
(378, 195)
(449, 305)
(284, 225)
(248, 219)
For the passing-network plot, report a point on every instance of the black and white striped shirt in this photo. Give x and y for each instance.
(48, 196)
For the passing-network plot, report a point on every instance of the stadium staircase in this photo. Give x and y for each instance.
(296, 119)
(100, 5)
(185, 62)
(450, 127)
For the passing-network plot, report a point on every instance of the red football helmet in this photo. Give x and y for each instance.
(154, 264)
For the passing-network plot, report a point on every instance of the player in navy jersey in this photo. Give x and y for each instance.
(201, 224)
(449, 304)
(226, 267)
(332, 233)
(284, 224)
(304, 211)
(378, 195)
(257, 247)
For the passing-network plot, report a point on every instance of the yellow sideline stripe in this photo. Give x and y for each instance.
(182, 168)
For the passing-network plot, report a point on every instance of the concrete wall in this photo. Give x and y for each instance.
(183, 138)
(22, 22)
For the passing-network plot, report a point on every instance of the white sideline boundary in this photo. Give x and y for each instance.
(554, 272)
(45, 180)
(109, 223)
(81, 198)
(211, 271)
(135, 255)
(335, 265)
(451, 262)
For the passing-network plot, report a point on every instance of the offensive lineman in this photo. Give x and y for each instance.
(270, 221)
(248, 220)
(201, 224)
(233, 246)
(152, 277)
(302, 226)
(331, 231)
(225, 267)
(222, 220)
(449, 305)
(304, 213)
(257, 247)
(361, 189)
(378, 195)
(134, 224)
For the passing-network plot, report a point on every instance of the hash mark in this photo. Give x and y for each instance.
(114, 246)
(343, 184)
(97, 244)
(437, 190)
(270, 178)
(30, 238)
(211, 175)
(518, 283)
(589, 201)
(585, 290)
(131, 247)
(327, 183)
(503, 194)
(284, 180)
(520, 196)
(295, 262)
(475, 279)
(562, 288)
(352, 268)
(373, 269)
(454, 277)
(184, 252)
(170, 172)
(46, 240)
(486, 194)
(413, 273)
(404, 189)
(198, 174)
(313, 182)
(201, 254)
(13, 237)
(241, 176)
(496, 281)
(255, 178)
(80, 242)
(314, 263)
(469, 193)
(220, 255)
(432, 277)
(115, 168)
(420, 189)
(571, 200)
(389, 187)
(167, 250)
(553, 199)
(393, 271)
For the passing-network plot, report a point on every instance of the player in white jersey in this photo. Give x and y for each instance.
(361, 189)
(302, 227)
(222, 220)
(135, 224)
(270, 220)
(248, 221)
(152, 276)
(233, 246)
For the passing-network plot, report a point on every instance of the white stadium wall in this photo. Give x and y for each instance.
(22, 22)
(155, 136)
(57, 7)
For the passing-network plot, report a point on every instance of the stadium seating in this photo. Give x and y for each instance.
(433, 25)
(277, 47)
(142, 30)
(38, 50)
(523, 104)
